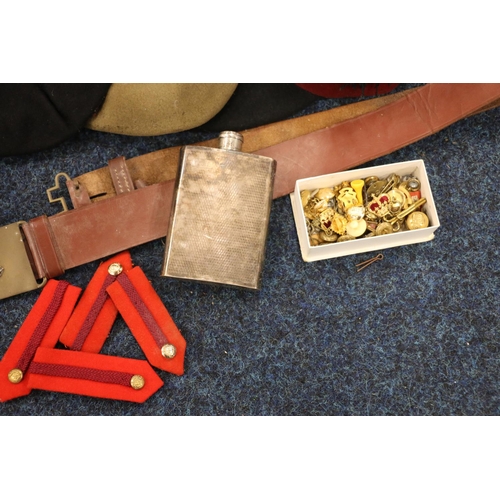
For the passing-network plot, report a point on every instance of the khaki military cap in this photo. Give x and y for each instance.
(147, 109)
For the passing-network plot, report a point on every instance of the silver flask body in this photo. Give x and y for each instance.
(220, 215)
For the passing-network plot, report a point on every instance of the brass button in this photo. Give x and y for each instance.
(137, 382)
(384, 228)
(115, 269)
(328, 238)
(356, 227)
(15, 376)
(345, 237)
(356, 213)
(168, 351)
(305, 196)
(417, 220)
(315, 240)
(370, 180)
(325, 194)
(375, 189)
(413, 184)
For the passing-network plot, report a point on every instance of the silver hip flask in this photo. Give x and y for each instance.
(220, 214)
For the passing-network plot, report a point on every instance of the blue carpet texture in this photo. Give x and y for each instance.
(414, 334)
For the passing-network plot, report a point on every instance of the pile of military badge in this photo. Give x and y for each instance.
(363, 208)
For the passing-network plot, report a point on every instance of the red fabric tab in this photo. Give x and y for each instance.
(41, 328)
(91, 322)
(90, 374)
(148, 319)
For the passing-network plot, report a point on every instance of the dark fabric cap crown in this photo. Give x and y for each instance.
(37, 116)
(256, 104)
(345, 90)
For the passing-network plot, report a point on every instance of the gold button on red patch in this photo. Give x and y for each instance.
(32, 362)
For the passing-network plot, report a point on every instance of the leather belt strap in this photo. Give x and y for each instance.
(346, 145)
(161, 165)
(91, 232)
(118, 222)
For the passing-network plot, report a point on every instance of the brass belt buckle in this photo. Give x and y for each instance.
(16, 273)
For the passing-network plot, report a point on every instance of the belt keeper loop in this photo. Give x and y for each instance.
(39, 236)
(33, 252)
(120, 175)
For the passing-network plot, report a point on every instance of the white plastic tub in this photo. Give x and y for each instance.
(331, 250)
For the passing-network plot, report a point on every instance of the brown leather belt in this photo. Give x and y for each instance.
(128, 203)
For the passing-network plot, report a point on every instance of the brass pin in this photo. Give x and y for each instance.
(406, 212)
(366, 263)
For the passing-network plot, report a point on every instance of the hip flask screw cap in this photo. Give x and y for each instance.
(230, 141)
